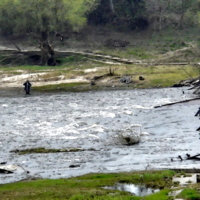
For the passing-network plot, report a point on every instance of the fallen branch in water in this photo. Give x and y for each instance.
(195, 157)
(169, 104)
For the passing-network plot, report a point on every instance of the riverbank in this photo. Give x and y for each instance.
(94, 76)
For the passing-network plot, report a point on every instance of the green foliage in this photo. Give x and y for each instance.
(122, 14)
(8, 16)
(163, 195)
(18, 16)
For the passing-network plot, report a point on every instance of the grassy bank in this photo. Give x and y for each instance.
(91, 186)
(87, 187)
(155, 76)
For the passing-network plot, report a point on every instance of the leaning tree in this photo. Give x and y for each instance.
(42, 17)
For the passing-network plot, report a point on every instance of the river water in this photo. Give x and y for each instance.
(92, 121)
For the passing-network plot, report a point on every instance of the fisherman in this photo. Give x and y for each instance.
(27, 87)
(198, 113)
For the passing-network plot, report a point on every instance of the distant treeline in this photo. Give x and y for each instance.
(37, 16)
(40, 19)
(143, 14)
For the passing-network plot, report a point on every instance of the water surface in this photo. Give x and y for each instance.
(92, 120)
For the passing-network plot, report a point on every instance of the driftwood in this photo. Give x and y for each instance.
(195, 157)
(5, 171)
(188, 157)
(191, 170)
(99, 77)
(93, 55)
(193, 87)
(169, 104)
(74, 166)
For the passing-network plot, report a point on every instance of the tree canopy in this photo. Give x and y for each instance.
(39, 15)
(42, 17)
(19, 16)
(142, 14)
(129, 13)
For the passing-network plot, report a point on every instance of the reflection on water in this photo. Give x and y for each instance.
(138, 190)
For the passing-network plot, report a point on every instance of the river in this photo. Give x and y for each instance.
(92, 121)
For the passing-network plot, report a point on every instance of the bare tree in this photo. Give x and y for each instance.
(112, 6)
(165, 13)
(157, 11)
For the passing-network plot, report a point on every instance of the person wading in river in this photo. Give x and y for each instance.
(27, 87)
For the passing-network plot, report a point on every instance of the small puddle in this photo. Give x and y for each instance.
(138, 190)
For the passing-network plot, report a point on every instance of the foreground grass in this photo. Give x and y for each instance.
(89, 187)
(190, 193)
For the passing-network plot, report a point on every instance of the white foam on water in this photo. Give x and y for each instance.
(107, 114)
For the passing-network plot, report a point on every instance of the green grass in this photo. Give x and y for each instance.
(158, 76)
(155, 75)
(163, 195)
(31, 68)
(87, 187)
(139, 53)
(72, 59)
(69, 87)
(151, 44)
(189, 193)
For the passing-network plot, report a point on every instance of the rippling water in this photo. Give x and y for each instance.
(92, 120)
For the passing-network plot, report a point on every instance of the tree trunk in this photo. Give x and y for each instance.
(112, 6)
(182, 15)
(160, 19)
(47, 51)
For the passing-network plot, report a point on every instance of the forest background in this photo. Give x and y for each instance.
(175, 23)
(146, 33)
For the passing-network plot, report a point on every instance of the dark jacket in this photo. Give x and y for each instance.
(27, 86)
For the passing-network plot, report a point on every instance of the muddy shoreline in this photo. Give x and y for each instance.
(19, 91)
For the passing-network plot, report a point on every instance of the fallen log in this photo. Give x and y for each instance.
(92, 55)
(5, 171)
(191, 170)
(195, 157)
(169, 104)
(193, 87)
